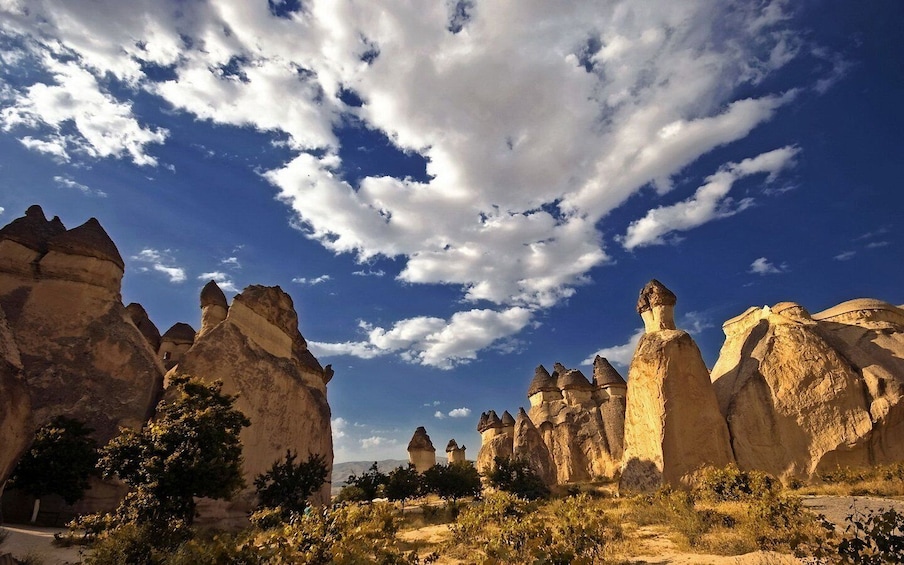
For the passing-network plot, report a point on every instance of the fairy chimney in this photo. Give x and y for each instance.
(213, 307)
(421, 452)
(454, 453)
(174, 343)
(656, 306)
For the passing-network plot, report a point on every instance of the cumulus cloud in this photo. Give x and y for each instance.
(620, 355)
(311, 282)
(709, 202)
(436, 342)
(231, 262)
(695, 322)
(339, 427)
(223, 280)
(369, 273)
(530, 139)
(67, 182)
(439, 415)
(377, 441)
(845, 255)
(763, 266)
(460, 413)
(161, 262)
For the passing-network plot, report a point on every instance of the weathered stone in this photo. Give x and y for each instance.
(213, 307)
(494, 443)
(175, 343)
(16, 425)
(421, 452)
(673, 425)
(454, 453)
(528, 445)
(144, 324)
(804, 394)
(257, 353)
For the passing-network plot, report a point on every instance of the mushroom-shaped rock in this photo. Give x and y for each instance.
(604, 374)
(558, 369)
(507, 419)
(421, 452)
(180, 333)
(451, 446)
(454, 453)
(493, 420)
(482, 423)
(84, 254)
(656, 306)
(90, 240)
(174, 343)
(213, 307)
(542, 382)
(573, 379)
(144, 324)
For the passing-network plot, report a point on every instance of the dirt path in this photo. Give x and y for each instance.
(27, 541)
(836, 509)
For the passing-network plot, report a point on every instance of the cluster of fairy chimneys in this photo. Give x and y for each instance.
(572, 387)
(422, 454)
(177, 340)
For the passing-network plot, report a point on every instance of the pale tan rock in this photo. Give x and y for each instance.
(81, 353)
(175, 343)
(213, 307)
(494, 445)
(454, 453)
(793, 402)
(16, 424)
(282, 390)
(528, 445)
(421, 452)
(673, 425)
(144, 324)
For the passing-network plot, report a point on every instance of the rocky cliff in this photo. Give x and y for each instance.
(16, 425)
(806, 393)
(258, 352)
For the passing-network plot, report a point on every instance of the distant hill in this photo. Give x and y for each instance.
(341, 471)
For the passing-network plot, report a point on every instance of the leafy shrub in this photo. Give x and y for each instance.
(288, 484)
(729, 484)
(515, 475)
(403, 483)
(453, 481)
(368, 486)
(873, 539)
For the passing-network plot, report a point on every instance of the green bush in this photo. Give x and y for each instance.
(515, 475)
(873, 539)
(288, 484)
(729, 484)
(453, 481)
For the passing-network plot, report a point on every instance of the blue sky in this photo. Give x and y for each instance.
(454, 192)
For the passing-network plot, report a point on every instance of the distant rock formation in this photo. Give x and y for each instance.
(672, 425)
(82, 355)
(144, 324)
(259, 354)
(421, 452)
(579, 424)
(803, 393)
(454, 453)
(175, 343)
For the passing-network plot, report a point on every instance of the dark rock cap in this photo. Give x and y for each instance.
(273, 304)
(452, 446)
(90, 240)
(212, 295)
(33, 230)
(180, 332)
(573, 379)
(543, 381)
(654, 293)
(493, 420)
(604, 374)
(507, 419)
(144, 324)
(482, 423)
(420, 441)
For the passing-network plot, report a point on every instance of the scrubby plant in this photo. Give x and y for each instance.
(873, 538)
(453, 481)
(403, 483)
(366, 486)
(515, 475)
(730, 484)
(288, 484)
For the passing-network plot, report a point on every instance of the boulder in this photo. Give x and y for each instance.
(672, 423)
(259, 354)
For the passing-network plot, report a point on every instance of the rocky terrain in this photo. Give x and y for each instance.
(68, 346)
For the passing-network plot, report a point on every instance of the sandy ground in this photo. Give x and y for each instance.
(837, 508)
(28, 541)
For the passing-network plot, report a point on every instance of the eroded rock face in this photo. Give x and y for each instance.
(82, 356)
(803, 394)
(16, 425)
(672, 424)
(259, 354)
(528, 445)
(144, 324)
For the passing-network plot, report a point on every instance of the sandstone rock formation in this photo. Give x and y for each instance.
(528, 444)
(144, 324)
(672, 425)
(454, 453)
(806, 393)
(82, 355)
(259, 354)
(16, 425)
(421, 452)
(175, 343)
(495, 441)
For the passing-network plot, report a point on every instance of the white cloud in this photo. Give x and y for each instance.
(434, 342)
(311, 282)
(439, 415)
(339, 425)
(845, 255)
(763, 266)
(231, 262)
(76, 101)
(162, 262)
(460, 413)
(377, 441)
(710, 201)
(2, 209)
(434, 403)
(223, 280)
(67, 182)
(369, 273)
(695, 322)
(620, 355)
(876, 244)
(536, 122)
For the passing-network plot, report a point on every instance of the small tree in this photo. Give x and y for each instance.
(515, 475)
(367, 486)
(289, 485)
(403, 483)
(453, 481)
(191, 449)
(61, 460)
